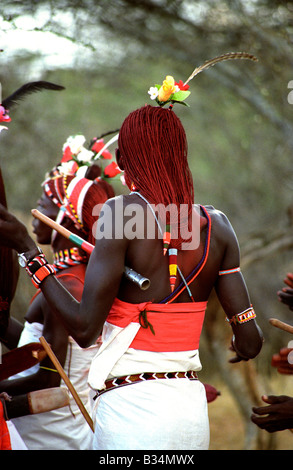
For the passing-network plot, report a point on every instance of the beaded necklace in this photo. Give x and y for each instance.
(67, 258)
(173, 267)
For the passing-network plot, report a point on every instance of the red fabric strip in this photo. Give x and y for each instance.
(177, 326)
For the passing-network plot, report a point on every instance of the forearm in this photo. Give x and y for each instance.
(66, 308)
(38, 381)
(12, 334)
(61, 302)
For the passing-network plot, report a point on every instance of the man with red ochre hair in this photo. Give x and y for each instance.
(147, 392)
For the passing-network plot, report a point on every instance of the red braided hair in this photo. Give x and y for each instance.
(153, 144)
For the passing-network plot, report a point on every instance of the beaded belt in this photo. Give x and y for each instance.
(131, 379)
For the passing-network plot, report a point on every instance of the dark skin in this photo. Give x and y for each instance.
(39, 311)
(278, 415)
(84, 320)
(286, 294)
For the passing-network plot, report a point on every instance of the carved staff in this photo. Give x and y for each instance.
(135, 277)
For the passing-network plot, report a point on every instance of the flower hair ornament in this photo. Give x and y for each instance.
(76, 158)
(173, 92)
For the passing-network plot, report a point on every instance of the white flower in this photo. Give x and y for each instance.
(75, 143)
(84, 155)
(2, 128)
(153, 92)
(67, 168)
(177, 88)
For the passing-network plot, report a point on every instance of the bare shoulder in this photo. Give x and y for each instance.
(122, 200)
(221, 225)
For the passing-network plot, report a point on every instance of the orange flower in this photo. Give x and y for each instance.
(167, 89)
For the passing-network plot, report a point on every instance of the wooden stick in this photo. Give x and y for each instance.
(283, 326)
(67, 381)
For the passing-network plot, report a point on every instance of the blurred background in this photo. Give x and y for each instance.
(107, 54)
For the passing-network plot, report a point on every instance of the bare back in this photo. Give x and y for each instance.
(145, 255)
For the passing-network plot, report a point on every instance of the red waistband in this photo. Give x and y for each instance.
(164, 327)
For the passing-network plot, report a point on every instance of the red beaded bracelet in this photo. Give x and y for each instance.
(41, 274)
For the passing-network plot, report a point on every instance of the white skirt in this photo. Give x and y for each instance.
(164, 414)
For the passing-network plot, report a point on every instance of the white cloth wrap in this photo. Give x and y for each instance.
(143, 415)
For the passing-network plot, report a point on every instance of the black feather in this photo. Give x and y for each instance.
(28, 88)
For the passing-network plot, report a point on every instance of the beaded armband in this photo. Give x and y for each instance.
(38, 269)
(243, 317)
(229, 271)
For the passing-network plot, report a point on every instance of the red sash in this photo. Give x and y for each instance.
(164, 327)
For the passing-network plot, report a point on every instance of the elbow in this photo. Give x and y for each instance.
(86, 339)
(83, 343)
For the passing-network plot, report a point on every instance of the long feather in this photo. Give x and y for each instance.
(228, 56)
(28, 88)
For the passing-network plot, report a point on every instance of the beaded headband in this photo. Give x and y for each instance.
(75, 194)
(177, 92)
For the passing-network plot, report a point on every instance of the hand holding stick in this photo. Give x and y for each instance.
(135, 277)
